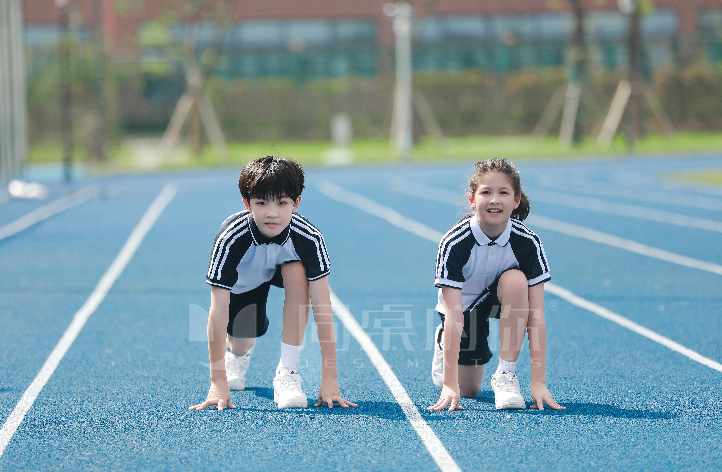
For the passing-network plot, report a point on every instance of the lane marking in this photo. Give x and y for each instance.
(569, 200)
(46, 211)
(672, 196)
(444, 196)
(347, 196)
(385, 213)
(432, 442)
(621, 243)
(81, 317)
(629, 324)
(626, 210)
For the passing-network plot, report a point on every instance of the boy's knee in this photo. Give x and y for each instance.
(513, 279)
(470, 392)
(293, 272)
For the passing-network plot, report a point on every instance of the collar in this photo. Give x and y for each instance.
(259, 238)
(483, 240)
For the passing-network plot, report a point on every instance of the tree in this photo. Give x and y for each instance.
(193, 107)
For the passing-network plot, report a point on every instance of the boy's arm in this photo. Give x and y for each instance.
(537, 334)
(329, 391)
(219, 392)
(453, 325)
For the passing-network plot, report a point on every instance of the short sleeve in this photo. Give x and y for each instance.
(229, 245)
(529, 251)
(310, 247)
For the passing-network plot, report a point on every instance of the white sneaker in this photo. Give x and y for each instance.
(287, 391)
(507, 394)
(236, 368)
(437, 365)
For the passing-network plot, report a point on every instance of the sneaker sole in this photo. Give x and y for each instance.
(511, 406)
(294, 404)
(297, 403)
(237, 385)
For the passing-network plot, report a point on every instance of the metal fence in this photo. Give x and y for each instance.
(13, 113)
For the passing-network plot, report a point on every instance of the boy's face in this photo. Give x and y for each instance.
(272, 215)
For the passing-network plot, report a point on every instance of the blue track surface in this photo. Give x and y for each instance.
(119, 398)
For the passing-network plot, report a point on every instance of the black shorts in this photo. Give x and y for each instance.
(474, 347)
(247, 311)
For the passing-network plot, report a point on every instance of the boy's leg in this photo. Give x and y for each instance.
(295, 304)
(287, 392)
(470, 378)
(237, 359)
(239, 346)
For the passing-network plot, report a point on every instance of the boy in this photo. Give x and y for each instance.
(269, 244)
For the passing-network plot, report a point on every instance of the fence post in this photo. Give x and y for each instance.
(13, 113)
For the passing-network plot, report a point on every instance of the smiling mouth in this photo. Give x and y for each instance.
(493, 210)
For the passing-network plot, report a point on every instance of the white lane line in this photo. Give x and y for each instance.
(432, 442)
(81, 317)
(46, 211)
(347, 195)
(621, 243)
(572, 201)
(385, 213)
(663, 193)
(629, 324)
(624, 209)
(444, 196)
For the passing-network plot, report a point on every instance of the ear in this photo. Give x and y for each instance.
(296, 203)
(246, 204)
(517, 200)
(471, 200)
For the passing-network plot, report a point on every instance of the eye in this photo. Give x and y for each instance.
(261, 203)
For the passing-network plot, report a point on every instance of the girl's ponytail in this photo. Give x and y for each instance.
(522, 211)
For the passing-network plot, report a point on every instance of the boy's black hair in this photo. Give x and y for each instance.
(271, 177)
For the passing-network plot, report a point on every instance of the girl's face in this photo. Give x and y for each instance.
(493, 202)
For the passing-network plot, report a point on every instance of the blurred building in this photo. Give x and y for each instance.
(324, 38)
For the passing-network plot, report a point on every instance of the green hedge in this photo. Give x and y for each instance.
(464, 103)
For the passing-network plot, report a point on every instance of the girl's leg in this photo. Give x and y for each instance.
(296, 303)
(470, 380)
(513, 293)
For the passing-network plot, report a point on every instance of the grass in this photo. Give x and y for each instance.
(125, 157)
(708, 177)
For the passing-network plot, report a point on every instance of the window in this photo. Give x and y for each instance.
(261, 33)
(311, 31)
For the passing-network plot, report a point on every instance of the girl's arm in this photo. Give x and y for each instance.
(329, 391)
(537, 334)
(453, 325)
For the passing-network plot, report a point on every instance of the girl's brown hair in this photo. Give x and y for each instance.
(508, 169)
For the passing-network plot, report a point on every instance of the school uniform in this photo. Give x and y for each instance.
(247, 263)
(470, 261)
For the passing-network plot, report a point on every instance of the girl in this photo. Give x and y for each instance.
(490, 265)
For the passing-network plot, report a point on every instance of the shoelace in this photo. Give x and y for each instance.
(506, 383)
(235, 364)
(288, 380)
